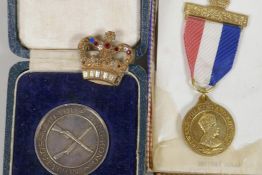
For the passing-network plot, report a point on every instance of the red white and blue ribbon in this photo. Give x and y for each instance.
(211, 49)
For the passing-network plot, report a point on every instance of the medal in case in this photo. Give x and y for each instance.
(211, 39)
(71, 139)
(77, 122)
(66, 70)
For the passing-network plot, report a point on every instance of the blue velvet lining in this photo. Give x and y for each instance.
(37, 93)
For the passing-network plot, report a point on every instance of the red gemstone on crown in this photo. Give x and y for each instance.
(116, 49)
(107, 45)
(96, 43)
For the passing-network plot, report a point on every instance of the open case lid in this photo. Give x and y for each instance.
(55, 25)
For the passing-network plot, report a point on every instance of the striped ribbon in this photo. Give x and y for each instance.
(211, 49)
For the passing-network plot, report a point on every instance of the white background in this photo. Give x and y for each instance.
(7, 59)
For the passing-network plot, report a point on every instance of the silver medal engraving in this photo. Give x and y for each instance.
(71, 139)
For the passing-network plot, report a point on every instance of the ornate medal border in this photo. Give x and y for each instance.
(210, 107)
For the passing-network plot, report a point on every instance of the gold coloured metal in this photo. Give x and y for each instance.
(208, 128)
(202, 90)
(223, 4)
(104, 61)
(216, 12)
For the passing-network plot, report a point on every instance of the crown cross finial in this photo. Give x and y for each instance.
(104, 62)
(223, 4)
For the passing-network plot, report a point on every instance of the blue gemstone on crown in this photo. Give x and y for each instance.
(92, 40)
(104, 62)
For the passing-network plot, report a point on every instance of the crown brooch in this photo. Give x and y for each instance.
(104, 61)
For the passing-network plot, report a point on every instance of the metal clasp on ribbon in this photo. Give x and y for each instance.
(211, 40)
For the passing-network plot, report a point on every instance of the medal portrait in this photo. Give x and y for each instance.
(211, 130)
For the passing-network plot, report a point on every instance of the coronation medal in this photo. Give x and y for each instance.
(211, 40)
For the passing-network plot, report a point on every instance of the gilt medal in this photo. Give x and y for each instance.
(211, 40)
(208, 127)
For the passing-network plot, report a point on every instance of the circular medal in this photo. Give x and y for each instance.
(208, 128)
(71, 139)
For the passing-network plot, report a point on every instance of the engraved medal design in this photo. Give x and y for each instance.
(208, 127)
(71, 139)
(211, 40)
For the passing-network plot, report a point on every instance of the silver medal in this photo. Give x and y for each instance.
(71, 139)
